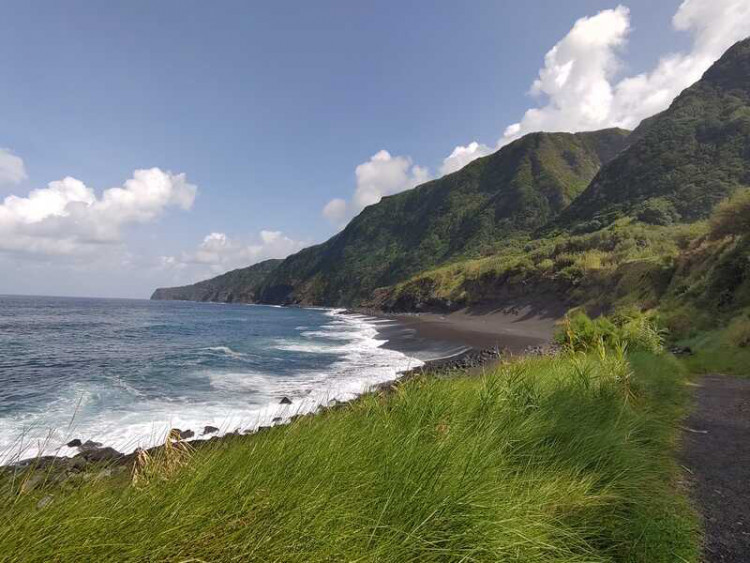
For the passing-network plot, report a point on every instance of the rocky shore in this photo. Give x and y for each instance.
(97, 460)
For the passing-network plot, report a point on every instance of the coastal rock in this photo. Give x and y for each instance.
(74, 443)
(89, 445)
(276, 419)
(76, 464)
(187, 434)
(285, 401)
(37, 462)
(542, 350)
(100, 454)
(176, 433)
(209, 430)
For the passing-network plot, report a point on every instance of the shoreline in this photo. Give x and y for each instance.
(441, 343)
(512, 328)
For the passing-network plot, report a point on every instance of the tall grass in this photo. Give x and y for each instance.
(540, 460)
(721, 351)
(628, 329)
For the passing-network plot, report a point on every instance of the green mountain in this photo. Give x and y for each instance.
(468, 213)
(236, 286)
(682, 161)
(522, 216)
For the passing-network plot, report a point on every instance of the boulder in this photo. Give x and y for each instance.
(209, 430)
(187, 434)
(285, 401)
(76, 464)
(100, 454)
(89, 445)
(74, 443)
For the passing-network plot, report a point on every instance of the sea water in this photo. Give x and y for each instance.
(123, 372)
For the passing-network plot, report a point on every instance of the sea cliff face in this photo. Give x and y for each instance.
(237, 286)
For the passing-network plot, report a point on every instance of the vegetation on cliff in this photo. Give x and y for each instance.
(682, 161)
(601, 219)
(468, 213)
(239, 285)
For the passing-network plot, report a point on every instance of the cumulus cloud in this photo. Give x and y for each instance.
(461, 156)
(380, 176)
(335, 210)
(218, 253)
(580, 87)
(12, 169)
(579, 79)
(67, 217)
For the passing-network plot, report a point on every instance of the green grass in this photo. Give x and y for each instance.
(566, 459)
(626, 263)
(715, 352)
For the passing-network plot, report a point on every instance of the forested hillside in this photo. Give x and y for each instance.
(601, 218)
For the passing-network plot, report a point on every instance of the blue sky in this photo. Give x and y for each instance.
(268, 109)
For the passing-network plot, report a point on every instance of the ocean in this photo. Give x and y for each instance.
(123, 372)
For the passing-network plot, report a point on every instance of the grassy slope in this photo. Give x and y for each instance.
(625, 263)
(467, 213)
(539, 460)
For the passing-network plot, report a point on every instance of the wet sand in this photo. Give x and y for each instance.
(505, 327)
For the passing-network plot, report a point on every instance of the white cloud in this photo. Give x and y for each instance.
(68, 218)
(461, 156)
(335, 210)
(384, 175)
(12, 169)
(380, 176)
(578, 82)
(580, 90)
(218, 253)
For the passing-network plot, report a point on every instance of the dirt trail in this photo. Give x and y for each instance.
(716, 450)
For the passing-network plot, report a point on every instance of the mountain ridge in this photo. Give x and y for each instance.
(682, 161)
(672, 170)
(517, 189)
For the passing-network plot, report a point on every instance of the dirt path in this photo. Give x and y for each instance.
(716, 449)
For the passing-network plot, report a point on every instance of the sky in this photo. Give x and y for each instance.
(147, 144)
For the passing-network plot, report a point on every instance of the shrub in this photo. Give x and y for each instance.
(657, 211)
(738, 332)
(630, 329)
(732, 216)
(546, 265)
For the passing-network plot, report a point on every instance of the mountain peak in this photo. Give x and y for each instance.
(682, 161)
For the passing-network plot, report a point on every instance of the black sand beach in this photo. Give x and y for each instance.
(429, 336)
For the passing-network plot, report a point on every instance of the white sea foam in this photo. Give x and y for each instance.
(227, 351)
(241, 400)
